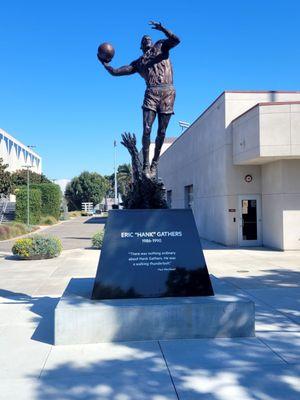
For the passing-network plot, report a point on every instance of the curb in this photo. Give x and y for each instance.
(40, 229)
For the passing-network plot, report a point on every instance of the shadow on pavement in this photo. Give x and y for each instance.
(13, 258)
(129, 372)
(96, 220)
(77, 237)
(42, 307)
(137, 370)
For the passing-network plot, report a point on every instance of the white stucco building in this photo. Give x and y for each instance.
(167, 143)
(238, 167)
(17, 155)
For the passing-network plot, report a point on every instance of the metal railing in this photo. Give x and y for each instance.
(3, 206)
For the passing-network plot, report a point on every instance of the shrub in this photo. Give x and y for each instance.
(4, 232)
(50, 199)
(13, 229)
(37, 247)
(17, 229)
(97, 240)
(19, 225)
(48, 220)
(73, 214)
(34, 205)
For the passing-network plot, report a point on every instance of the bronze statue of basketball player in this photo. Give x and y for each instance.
(156, 68)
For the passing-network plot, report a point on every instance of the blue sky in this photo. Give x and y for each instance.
(54, 93)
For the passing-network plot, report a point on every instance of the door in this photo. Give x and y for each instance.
(249, 220)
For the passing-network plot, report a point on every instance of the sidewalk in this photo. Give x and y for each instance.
(75, 233)
(262, 368)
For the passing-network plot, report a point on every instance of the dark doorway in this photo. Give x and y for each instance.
(249, 219)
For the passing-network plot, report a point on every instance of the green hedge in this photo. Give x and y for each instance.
(51, 198)
(35, 205)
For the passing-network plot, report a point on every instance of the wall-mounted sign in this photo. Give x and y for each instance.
(248, 178)
(231, 210)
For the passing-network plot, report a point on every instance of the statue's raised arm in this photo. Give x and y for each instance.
(171, 41)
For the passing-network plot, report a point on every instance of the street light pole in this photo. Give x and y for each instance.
(28, 197)
(115, 168)
(28, 202)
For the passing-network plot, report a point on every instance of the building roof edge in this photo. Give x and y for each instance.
(267, 103)
(186, 131)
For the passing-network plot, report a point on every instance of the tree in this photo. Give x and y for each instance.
(5, 179)
(111, 182)
(87, 187)
(124, 178)
(19, 178)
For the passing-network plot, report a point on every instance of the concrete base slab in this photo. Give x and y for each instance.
(79, 320)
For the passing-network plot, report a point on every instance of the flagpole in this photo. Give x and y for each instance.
(116, 188)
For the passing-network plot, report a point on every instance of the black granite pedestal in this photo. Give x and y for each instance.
(151, 253)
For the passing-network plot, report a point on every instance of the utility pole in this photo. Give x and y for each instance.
(115, 168)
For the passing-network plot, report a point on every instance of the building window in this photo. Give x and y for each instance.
(169, 198)
(188, 196)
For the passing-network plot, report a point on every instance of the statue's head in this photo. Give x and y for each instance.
(146, 43)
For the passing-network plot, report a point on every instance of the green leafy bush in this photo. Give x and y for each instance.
(35, 205)
(97, 239)
(37, 247)
(50, 199)
(48, 220)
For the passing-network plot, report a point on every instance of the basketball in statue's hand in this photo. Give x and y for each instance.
(106, 52)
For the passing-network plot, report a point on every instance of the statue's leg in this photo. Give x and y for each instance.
(148, 119)
(163, 122)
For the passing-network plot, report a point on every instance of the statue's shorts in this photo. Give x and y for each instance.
(160, 98)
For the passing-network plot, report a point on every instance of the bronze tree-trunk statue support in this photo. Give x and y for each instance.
(145, 192)
(156, 69)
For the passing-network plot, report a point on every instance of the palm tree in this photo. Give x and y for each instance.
(124, 178)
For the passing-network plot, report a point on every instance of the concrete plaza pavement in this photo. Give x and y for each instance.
(262, 368)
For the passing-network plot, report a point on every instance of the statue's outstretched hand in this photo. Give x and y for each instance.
(156, 25)
(104, 63)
